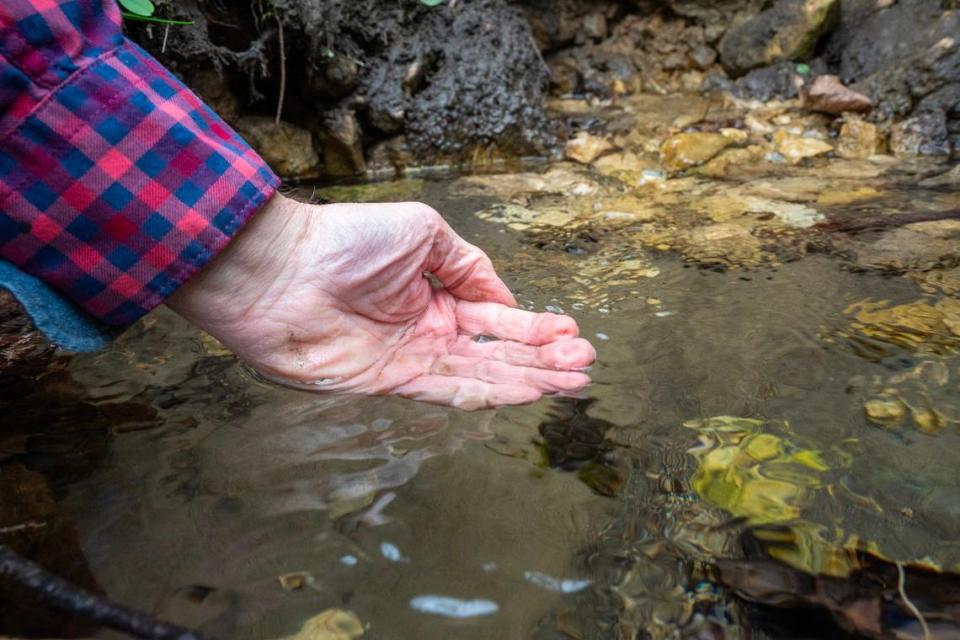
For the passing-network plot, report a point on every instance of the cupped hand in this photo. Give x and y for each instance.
(379, 299)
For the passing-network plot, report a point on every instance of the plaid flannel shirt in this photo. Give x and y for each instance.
(117, 184)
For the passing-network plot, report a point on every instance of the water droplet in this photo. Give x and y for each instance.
(602, 336)
(349, 560)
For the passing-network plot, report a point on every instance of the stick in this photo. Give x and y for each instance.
(60, 594)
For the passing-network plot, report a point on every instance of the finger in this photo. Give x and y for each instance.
(561, 355)
(476, 318)
(466, 393)
(465, 270)
(494, 372)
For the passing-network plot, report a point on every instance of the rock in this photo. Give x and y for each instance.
(884, 411)
(686, 150)
(949, 179)
(288, 149)
(390, 157)
(593, 26)
(585, 148)
(336, 77)
(796, 148)
(716, 12)
(828, 95)
(332, 624)
(703, 57)
(726, 164)
(923, 135)
(621, 162)
(213, 88)
(914, 247)
(787, 31)
(341, 141)
(724, 243)
(859, 139)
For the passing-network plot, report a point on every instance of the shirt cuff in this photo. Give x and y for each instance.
(122, 184)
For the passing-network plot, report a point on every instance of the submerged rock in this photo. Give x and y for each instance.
(286, 148)
(686, 150)
(828, 95)
(585, 148)
(787, 31)
(796, 148)
(914, 247)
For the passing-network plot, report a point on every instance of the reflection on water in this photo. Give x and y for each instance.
(744, 379)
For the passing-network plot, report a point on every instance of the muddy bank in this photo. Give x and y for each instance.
(371, 82)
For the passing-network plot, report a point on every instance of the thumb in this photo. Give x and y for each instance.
(465, 270)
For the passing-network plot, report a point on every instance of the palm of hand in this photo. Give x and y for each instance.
(351, 310)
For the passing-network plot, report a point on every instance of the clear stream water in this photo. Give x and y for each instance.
(382, 500)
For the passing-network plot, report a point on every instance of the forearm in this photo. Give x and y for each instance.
(117, 184)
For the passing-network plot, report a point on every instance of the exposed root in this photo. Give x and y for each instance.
(283, 65)
(901, 584)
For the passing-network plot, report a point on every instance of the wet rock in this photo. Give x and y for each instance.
(885, 411)
(948, 179)
(920, 326)
(796, 148)
(332, 624)
(556, 23)
(686, 150)
(288, 149)
(914, 247)
(860, 139)
(731, 161)
(828, 95)
(341, 141)
(718, 12)
(585, 148)
(725, 243)
(337, 76)
(863, 599)
(787, 31)
(925, 135)
(390, 156)
(622, 162)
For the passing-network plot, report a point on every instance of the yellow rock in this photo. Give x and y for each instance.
(686, 150)
(830, 198)
(585, 148)
(859, 139)
(796, 148)
(884, 411)
(730, 159)
(332, 624)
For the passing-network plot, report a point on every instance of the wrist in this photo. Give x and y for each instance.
(236, 281)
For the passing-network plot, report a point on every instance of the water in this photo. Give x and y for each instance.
(429, 522)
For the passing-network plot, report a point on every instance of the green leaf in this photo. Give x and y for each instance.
(431, 3)
(143, 8)
(132, 16)
(803, 69)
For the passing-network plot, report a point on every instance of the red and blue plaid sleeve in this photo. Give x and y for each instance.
(117, 184)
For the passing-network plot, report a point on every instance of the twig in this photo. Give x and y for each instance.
(283, 64)
(60, 594)
(901, 584)
(166, 32)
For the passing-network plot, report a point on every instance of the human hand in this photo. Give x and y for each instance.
(334, 298)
